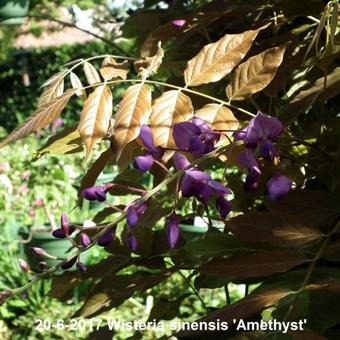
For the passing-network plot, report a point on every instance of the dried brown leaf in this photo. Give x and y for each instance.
(218, 59)
(150, 65)
(134, 110)
(42, 117)
(170, 108)
(111, 69)
(95, 117)
(91, 73)
(219, 117)
(255, 74)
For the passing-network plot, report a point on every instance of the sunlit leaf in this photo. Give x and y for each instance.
(91, 73)
(77, 85)
(42, 117)
(95, 117)
(150, 65)
(170, 108)
(54, 78)
(54, 90)
(111, 69)
(255, 74)
(64, 142)
(134, 110)
(219, 117)
(218, 59)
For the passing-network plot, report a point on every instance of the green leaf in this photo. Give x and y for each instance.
(64, 142)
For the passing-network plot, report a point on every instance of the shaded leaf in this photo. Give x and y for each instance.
(54, 90)
(77, 85)
(257, 264)
(111, 69)
(322, 89)
(170, 108)
(219, 117)
(275, 229)
(150, 65)
(212, 244)
(91, 73)
(255, 74)
(95, 170)
(218, 59)
(63, 142)
(95, 117)
(245, 308)
(314, 208)
(165, 309)
(42, 117)
(134, 110)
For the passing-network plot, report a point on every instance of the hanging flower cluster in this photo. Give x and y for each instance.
(259, 136)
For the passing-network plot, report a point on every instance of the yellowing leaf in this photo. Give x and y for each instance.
(95, 117)
(134, 110)
(150, 65)
(219, 117)
(91, 73)
(111, 69)
(43, 116)
(218, 59)
(255, 74)
(170, 108)
(77, 85)
(54, 90)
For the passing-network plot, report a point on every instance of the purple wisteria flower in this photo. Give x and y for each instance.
(172, 230)
(64, 223)
(195, 137)
(106, 239)
(82, 268)
(199, 184)
(132, 242)
(145, 162)
(134, 210)
(66, 228)
(97, 193)
(247, 160)
(278, 186)
(85, 240)
(69, 264)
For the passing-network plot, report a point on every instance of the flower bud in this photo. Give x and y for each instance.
(81, 267)
(24, 265)
(38, 251)
(132, 242)
(106, 239)
(69, 264)
(64, 223)
(85, 240)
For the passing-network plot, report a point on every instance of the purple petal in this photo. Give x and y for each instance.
(58, 233)
(223, 206)
(219, 188)
(197, 146)
(69, 264)
(81, 267)
(262, 127)
(183, 133)
(132, 242)
(64, 222)
(132, 217)
(247, 160)
(268, 150)
(278, 186)
(203, 192)
(204, 127)
(85, 240)
(180, 161)
(187, 186)
(240, 134)
(179, 22)
(106, 239)
(198, 175)
(251, 182)
(172, 230)
(143, 163)
(97, 193)
(147, 139)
